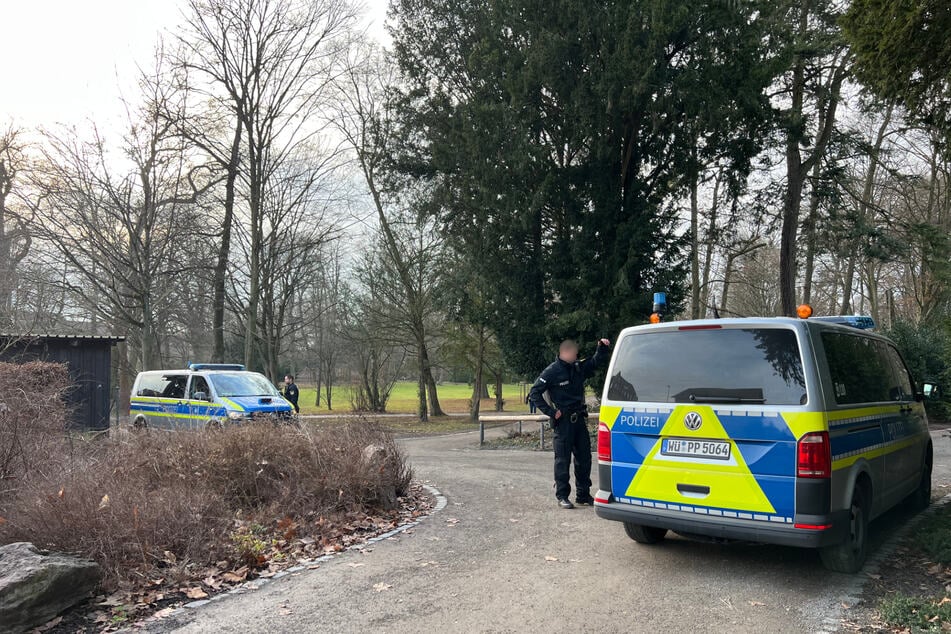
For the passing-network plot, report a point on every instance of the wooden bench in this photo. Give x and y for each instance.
(514, 418)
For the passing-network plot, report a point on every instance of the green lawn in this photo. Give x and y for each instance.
(454, 398)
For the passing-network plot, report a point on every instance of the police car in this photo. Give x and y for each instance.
(776, 430)
(204, 395)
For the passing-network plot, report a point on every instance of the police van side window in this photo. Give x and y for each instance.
(150, 385)
(198, 386)
(859, 369)
(903, 388)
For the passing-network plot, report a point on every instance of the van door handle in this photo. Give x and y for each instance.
(696, 489)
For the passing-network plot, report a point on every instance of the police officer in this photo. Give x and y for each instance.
(291, 393)
(564, 381)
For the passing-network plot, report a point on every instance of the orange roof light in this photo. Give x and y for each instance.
(655, 318)
(804, 311)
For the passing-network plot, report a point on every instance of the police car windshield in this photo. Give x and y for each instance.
(228, 384)
(728, 365)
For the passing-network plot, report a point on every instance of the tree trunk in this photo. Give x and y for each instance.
(224, 252)
(810, 230)
(421, 379)
(316, 375)
(476, 401)
(865, 204)
(499, 402)
(710, 239)
(694, 244)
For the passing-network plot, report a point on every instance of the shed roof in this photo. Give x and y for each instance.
(60, 337)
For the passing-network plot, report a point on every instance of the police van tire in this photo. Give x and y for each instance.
(920, 499)
(645, 534)
(850, 555)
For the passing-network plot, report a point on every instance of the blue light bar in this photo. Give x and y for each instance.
(862, 322)
(660, 302)
(216, 366)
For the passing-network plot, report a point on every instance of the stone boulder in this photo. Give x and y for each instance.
(35, 586)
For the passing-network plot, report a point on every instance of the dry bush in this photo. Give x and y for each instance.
(139, 502)
(32, 417)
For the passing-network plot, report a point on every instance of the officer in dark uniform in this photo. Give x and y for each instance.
(564, 381)
(291, 393)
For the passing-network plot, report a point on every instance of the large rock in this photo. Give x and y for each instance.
(36, 586)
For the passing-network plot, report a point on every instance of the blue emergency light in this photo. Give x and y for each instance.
(216, 366)
(862, 322)
(660, 303)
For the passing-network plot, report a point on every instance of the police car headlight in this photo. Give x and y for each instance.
(236, 415)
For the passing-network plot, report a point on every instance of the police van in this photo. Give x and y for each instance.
(204, 395)
(777, 430)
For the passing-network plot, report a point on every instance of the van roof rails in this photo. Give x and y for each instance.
(216, 366)
(862, 322)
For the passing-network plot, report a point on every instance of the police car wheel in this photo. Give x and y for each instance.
(921, 498)
(849, 556)
(644, 534)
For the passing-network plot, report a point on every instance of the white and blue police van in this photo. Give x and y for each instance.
(204, 395)
(777, 430)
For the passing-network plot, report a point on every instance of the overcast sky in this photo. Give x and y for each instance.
(66, 61)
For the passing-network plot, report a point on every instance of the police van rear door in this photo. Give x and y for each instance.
(703, 418)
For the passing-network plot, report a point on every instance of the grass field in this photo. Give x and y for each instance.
(454, 398)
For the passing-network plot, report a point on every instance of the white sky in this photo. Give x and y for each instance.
(68, 61)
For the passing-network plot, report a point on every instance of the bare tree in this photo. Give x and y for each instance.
(15, 239)
(410, 247)
(117, 218)
(271, 62)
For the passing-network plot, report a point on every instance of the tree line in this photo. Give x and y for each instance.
(504, 174)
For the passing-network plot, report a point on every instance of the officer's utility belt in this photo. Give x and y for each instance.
(579, 415)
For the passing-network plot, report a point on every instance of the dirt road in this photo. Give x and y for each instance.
(501, 557)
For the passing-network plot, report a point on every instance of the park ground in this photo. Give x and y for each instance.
(454, 398)
(501, 557)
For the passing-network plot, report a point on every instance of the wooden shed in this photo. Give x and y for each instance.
(89, 361)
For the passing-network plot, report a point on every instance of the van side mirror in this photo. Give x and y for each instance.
(930, 391)
(200, 396)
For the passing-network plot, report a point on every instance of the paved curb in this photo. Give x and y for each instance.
(851, 594)
(301, 566)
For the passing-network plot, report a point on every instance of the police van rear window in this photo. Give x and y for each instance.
(719, 366)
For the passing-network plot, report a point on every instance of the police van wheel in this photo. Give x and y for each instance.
(921, 498)
(849, 556)
(645, 534)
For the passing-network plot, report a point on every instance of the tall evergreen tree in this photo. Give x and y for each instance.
(556, 135)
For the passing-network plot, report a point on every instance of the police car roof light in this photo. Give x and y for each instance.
(862, 322)
(216, 366)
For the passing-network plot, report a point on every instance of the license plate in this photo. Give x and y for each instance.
(689, 448)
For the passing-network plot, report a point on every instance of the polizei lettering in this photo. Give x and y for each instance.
(639, 420)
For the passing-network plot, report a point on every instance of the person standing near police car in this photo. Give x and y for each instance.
(291, 393)
(564, 380)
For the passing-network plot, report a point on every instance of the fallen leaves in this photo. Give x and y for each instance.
(236, 576)
(196, 593)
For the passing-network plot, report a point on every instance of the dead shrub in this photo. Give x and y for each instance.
(142, 503)
(32, 417)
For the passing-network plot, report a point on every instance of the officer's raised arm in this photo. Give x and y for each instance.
(601, 356)
(536, 394)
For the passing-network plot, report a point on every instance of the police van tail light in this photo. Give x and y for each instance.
(604, 442)
(814, 456)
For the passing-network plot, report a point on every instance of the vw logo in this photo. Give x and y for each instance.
(692, 421)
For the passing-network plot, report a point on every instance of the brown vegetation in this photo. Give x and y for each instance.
(163, 504)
